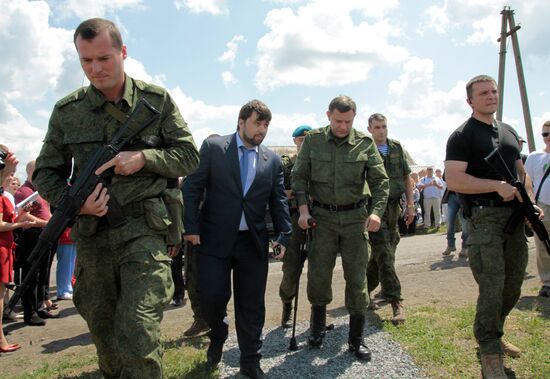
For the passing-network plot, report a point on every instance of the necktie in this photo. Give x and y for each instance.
(244, 167)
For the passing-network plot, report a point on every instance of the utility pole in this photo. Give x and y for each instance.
(508, 18)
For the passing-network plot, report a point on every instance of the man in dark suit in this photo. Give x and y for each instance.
(238, 178)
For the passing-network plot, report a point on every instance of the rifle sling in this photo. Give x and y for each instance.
(541, 183)
(116, 113)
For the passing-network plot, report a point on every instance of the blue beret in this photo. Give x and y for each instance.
(301, 130)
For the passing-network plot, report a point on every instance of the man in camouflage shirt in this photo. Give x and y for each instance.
(292, 263)
(381, 267)
(123, 273)
(340, 169)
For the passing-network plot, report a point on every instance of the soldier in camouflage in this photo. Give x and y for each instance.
(340, 169)
(381, 267)
(123, 273)
(497, 258)
(292, 259)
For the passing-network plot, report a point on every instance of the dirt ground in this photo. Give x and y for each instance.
(426, 278)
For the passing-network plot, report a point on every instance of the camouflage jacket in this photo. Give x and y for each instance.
(79, 125)
(396, 167)
(340, 173)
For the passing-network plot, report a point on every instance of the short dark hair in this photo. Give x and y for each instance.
(477, 79)
(255, 106)
(377, 117)
(90, 28)
(343, 104)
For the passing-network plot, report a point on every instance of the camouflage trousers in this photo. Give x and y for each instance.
(121, 291)
(191, 274)
(344, 233)
(498, 263)
(381, 266)
(291, 264)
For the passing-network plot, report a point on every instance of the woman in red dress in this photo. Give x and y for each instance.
(8, 222)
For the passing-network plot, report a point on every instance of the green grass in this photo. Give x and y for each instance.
(441, 340)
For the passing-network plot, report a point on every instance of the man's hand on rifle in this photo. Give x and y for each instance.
(96, 203)
(125, 163)
(194, 239)
(278, 250)
(508, 192)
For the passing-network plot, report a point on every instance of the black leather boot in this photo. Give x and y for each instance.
(318, 325)
(287, 312)
(355, 341)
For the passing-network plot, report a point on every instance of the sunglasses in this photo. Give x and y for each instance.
(545, 134)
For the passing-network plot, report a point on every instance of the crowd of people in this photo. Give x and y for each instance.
(344, 192)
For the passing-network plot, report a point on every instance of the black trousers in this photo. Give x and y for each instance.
(38, 290)
(249, 269)
(177, 275)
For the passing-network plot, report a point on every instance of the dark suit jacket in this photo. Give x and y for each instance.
(218, 179)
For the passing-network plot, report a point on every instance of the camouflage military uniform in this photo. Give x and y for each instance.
(498, 259)
(343, 172)
(191, 273)
(123, 273)
(381, 267)
(291, 260)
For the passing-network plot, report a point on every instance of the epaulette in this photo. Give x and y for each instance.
(394, 141)
(72, 97)
(149, 88)
(316, 131)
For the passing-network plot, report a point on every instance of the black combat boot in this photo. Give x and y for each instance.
(355, 341)
(285, 318)
(317, 325)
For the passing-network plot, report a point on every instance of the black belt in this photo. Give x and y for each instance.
(479, 202)
(339, 208)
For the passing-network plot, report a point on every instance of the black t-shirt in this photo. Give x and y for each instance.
(474, 140)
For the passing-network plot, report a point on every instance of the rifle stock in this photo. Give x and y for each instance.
(76, 194)
(525, 209)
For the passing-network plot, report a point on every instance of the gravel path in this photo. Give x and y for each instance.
(333, 360)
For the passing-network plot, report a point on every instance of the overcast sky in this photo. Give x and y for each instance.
(409, 60)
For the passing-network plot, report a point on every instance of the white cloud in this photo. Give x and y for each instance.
(24, 139)
(482, 20)
(34, 54)
(136, 70)
(321, 44)
(427, 149)
(232, 46)
(228, 78)
(443, 110)
(214, 7)
(84, 9)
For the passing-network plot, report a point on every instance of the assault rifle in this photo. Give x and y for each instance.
(75, 195)
(522, 210)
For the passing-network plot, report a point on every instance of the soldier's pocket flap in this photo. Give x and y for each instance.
(353, 156)
(156, 213)
(78, 135)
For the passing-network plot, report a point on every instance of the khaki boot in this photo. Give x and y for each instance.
(509, 349)
(398, 313)
(492, 366)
